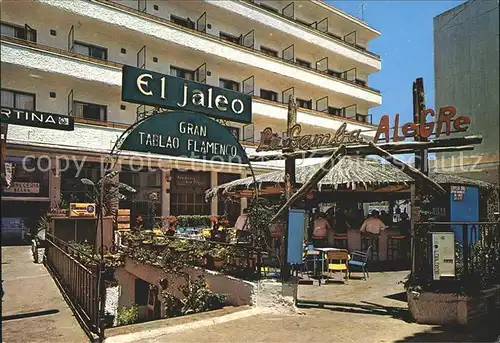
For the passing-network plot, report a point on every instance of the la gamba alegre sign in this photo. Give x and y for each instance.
(155, 89)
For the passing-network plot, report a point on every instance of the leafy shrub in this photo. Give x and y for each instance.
(194, 221)
(128, 315)
(197, 297)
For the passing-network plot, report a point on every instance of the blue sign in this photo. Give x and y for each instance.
(464, 208)
(296, 225)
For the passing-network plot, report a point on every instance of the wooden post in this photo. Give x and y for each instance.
(421, 158)
(3, 146)
(289, 187)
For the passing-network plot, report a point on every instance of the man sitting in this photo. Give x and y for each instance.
(321, 228)
(373, 224)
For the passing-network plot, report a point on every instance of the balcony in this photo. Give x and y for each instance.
(31, 56)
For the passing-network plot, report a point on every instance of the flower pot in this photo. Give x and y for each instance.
(147, 243)
(110, 319)
(219, 262)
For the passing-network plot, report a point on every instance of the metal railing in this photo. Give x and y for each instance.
(80, 285)
(477, 253)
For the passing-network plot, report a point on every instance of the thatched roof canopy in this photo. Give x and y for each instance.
(351, 172)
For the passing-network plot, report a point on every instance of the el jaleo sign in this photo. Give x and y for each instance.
(270, 140)
(159, 90)
(447, 119)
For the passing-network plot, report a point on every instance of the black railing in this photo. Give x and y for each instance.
(477, 254)
(79, 284)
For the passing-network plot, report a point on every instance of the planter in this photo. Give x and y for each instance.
(219, 262)
(110, 320)
(147, 243)
(450, 308)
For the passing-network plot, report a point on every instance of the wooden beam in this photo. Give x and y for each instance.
(364, 149)
(409, 170)
(313, 181)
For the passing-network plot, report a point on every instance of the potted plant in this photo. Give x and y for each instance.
(110, 319)
(219, 257)
(159, 242)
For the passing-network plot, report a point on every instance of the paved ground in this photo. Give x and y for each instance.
(371, 311)
(33, 309)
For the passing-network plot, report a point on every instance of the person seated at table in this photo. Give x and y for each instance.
(320, 231)
(373, 225)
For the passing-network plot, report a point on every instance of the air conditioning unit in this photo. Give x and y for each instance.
(443, 255)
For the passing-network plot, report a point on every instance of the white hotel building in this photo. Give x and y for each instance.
(65, 57)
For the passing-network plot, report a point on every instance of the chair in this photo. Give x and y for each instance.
(359, 261)
(340, 241)
(338, 261)
(396, 248)
(370, 240)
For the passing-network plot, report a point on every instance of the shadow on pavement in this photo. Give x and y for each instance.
(369, 308)
(401, 296)
(29, 314)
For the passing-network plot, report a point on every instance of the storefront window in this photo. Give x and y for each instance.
(142, 203)
(187, 195)
(231, 208)
(29, 177)
(72, 189)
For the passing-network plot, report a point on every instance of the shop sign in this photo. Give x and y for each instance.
(270, 140)
(182, 180)
(446, 118)
(81, 210)
(159, 90)
(185, 134)
(458, 192)
(37, 119)
(23, 188)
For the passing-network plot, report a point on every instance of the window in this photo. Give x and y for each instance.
(268, 95)
(231, 208)
(21, 32)
(268, 51)
(145, 181)
(334, 111)
(228, 84)
(304, 103)
(182, 22)
(89, 111)
(187, 193)
(91, 50)
(229, 37)
(72, 189)
(141, 292)
(30, 177)
(334, 73)
(269, 8)
(235, 131)
(182, 73)
(19, 100)
(360, 82)
(303, 22)
(361, 117)
(303, 63)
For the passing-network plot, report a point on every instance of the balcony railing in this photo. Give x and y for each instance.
(246, 41)
(247, 87)
(316, 26)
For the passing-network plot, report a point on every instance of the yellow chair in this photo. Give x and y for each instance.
(338, 261)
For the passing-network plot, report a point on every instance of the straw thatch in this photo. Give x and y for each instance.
(350, 173)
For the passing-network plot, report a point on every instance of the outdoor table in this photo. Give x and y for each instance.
(323, 252)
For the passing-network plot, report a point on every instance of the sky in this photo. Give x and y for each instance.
(405, 46)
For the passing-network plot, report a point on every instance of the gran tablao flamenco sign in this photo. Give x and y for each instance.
(446, 117)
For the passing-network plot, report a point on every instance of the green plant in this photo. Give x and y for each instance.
(219, 253)
(43, 226)
(128, 315)
(197, 297)
(193, 221)
(111, 194)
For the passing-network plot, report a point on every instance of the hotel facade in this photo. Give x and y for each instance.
(66, 57)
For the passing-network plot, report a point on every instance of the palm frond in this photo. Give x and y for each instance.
(128, 188)
(87, 182)
(121, 196)
(108, 176)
